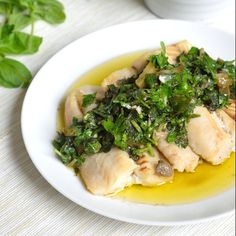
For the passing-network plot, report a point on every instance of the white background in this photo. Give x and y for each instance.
(28, 204)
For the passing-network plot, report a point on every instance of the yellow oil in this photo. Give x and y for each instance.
(206, 181)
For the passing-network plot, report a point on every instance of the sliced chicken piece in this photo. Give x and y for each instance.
(72, 110)
(182, 159)
(231, 109)
(153, 170)
(73, 103)
(172, 51)
(118, 75)
(228, 124)
(140, 63)
(149, 69)
(175, 50)
(207, 138)
(89, 89)
(108, 173)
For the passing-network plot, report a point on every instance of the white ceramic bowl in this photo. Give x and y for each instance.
(189, 9)
(50, 84)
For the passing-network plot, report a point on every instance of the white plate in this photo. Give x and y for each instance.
(50, 84)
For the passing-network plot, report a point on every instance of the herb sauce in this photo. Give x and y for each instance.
(207, 181)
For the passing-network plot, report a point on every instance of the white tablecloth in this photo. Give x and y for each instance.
(28, 204)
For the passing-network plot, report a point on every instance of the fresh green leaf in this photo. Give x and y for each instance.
(19, 20)
(160, 61)
(18, 14)
(150, 80)
(65, 149)
(28, 4)
(10, 1)
(108, 125)
(5, 31)
(88, 99)
(136, 126)
(163, 47)
(13, 74)
(4, 8)
(14, 42)
(118, 131)
(50, 11)
(171, 138)
(92, 147)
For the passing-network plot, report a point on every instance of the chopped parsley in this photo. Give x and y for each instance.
(128, 115)
(88, 99)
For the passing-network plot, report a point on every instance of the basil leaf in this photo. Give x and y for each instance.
(3, 8)
(18, 14)
(5, 31)
(88, 99)
(150, 80)
(50, 11)
(26, 3)
(19, 20)
(17, 42)
(10, 1)
(13, 74)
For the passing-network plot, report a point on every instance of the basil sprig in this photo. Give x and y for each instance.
(18, 14)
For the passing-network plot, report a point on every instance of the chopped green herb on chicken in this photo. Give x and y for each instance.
(128, 115)
(88, 99)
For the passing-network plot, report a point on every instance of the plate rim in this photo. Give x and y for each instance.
(84, 205)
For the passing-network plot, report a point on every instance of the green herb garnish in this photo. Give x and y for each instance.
(18, 14)
(128, 116)
(88, 99)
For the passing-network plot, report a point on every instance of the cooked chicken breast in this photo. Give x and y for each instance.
(172, 51)
(228, 124)
(182, 159)
(108, 173)
(211, 136)
(140, 63)
(118, 75)
(89, 89)
(231, 109)
(153, 170)
(207, 138)
(72, 109)
(73, 103)
(149, 69)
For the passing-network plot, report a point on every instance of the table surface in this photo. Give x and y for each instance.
(28, 204)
